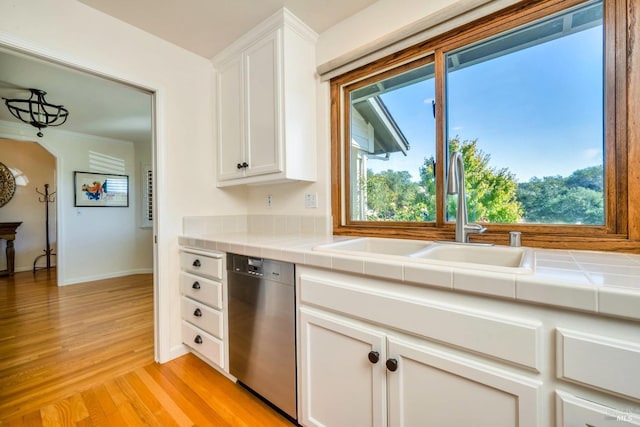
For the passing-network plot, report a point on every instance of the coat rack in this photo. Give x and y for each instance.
(48, 252)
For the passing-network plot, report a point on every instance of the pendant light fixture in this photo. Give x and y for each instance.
(37, 111)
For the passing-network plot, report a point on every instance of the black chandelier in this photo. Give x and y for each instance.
(37, 111)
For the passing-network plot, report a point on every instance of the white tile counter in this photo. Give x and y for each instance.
(596, 282)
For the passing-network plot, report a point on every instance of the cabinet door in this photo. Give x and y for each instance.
(435, 388)
(230, 120)
(339, 385)
(263, 110)
(571, 411)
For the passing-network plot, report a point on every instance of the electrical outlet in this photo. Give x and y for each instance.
(269, 201)
(311, 200)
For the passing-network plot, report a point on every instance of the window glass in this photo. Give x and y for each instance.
(392, 148)
(526, 110)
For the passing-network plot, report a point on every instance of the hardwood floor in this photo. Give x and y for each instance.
(83, 355)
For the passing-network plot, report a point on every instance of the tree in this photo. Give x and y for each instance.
(392, 196)
(491, 192)
(576, 199)
(493, 195)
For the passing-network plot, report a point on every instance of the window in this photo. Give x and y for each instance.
(524, 95)
(386, 170)
(526, 109)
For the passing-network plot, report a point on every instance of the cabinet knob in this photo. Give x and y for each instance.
(198, 339)
(196, 263)
(195, 285)
(197, 313)
(374, 356)
(239, 165)
(392, 365)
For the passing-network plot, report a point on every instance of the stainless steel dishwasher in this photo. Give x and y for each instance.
(262, 350)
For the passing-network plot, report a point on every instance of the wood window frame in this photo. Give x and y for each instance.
(621, 231)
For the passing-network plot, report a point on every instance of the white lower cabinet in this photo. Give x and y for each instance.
(202, 305)
(573, 411)
(429, 387)
(353, 374)
(341, 386)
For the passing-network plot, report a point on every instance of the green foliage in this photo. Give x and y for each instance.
(576, 199)
(392, 196)
(493, 194)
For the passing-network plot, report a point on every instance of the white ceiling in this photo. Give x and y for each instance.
(101, 107)
(205, 27)
(97, 106)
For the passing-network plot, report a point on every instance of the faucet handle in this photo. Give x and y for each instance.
(475, 228)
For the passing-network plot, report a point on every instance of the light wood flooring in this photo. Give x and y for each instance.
(83, 355)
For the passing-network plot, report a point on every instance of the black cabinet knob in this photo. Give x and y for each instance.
(239, 165)
(392, 365)
(197, 313)
(374, 356)
(196, 263)
(198, 339)
(195, 285)
(245, 165)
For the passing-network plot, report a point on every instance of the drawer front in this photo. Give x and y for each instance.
(571, 411)
(206, 291)
(203, 343)
(600, 362)
(200, 315)
(205, 265)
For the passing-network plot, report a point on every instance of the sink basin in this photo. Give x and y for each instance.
(503, 259)
(375, 246)
(494, 258)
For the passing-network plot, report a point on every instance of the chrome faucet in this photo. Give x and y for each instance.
(455, 185)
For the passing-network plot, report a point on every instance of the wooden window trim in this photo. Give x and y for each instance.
(621, 232)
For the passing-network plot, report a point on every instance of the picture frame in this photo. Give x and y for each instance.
(100, 190)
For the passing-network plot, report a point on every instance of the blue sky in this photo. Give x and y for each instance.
(537, 111)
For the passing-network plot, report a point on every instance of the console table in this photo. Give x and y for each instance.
(8, 233)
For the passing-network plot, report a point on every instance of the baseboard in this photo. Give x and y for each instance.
(27, 268)
(174, 353)
(110, 275)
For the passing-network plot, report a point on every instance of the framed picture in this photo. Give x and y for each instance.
(100, 190)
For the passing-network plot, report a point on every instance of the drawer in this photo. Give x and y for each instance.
(204, 344)
(209, 265)
(600, 362)
(571, 411)
(202, 316)
(206, 291)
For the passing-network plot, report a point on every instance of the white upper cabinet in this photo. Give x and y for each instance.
(266, 104)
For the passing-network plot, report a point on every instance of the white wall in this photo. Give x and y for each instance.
(73, 33)
(98, 242)
(376, 22)
(36, 167)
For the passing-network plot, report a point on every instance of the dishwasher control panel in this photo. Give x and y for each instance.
(254, 266)
(259, 267)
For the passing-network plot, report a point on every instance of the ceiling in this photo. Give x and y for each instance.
(97, 106)
(101, 107)
(205, 27)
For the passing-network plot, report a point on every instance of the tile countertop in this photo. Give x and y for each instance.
(599, 282)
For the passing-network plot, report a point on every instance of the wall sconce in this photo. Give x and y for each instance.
(37, 111)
